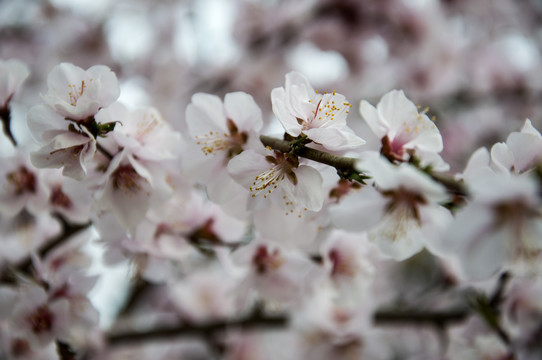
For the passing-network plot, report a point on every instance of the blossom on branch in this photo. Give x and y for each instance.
(403, 131)
(266, 171)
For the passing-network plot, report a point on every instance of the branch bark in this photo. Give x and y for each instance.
(255, 320)
(346, 165)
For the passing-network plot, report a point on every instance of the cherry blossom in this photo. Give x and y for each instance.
(318, 246)
(143, 132)
(322, 117)
(223, 128)
(78, 94)
(127, 185)
(405, 214)
(38, 319)
(403, 131)
(69, 147)
(21, 185)
(500, 228)
(266, 171)
(274, 272)
(220, 131)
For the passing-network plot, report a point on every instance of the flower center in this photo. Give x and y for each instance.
(269, 179)
(75, 92)
(263, 260)
(22, 180)
(59, 198)
(41, 320)
(232, 143)
(125, 178)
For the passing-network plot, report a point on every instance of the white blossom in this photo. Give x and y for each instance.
(322, 117)
(78, 94)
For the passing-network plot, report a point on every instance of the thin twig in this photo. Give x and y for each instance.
(412, 316)
(255, 320)
(25, 265)
(103, 151)
(338, 162)
(5, 116)
(347, 165)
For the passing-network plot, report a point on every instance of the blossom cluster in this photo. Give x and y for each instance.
(229, 220)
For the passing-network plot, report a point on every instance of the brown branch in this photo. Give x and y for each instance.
(65, 351)
(255, 320)
(346, 165)
(103, 151)
(338, 162)
(439, 318)
(25, 265)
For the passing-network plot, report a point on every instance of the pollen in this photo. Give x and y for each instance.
(75, 91)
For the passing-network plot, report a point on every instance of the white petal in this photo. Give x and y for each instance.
(398, 235)
(244, 111)
(359, 211)
(503, 158)
(370, 115)
(283, 114)
(527, 150)
(308, 191)
(335, 139)
(44, 123)
(204, 114)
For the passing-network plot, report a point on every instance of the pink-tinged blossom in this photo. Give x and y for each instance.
(17, 347)
(127, 191)
(220, 131)
(274, 272)
(64, 145)
(64, 273)
(67, 197)
(330, 330)
(12, 74)
(78, 94)
(21, 186)
(500, 228)
(403, 216)
(205, 295)
(274, 174)
(346, 259)
(403, 131)
(23, 234)
(223, 129)
(165, 242)
(322, 117)
(38, 319)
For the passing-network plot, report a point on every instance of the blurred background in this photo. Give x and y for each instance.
(476, 64)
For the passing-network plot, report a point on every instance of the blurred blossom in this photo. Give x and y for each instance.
(157, 145)
(132, 24)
